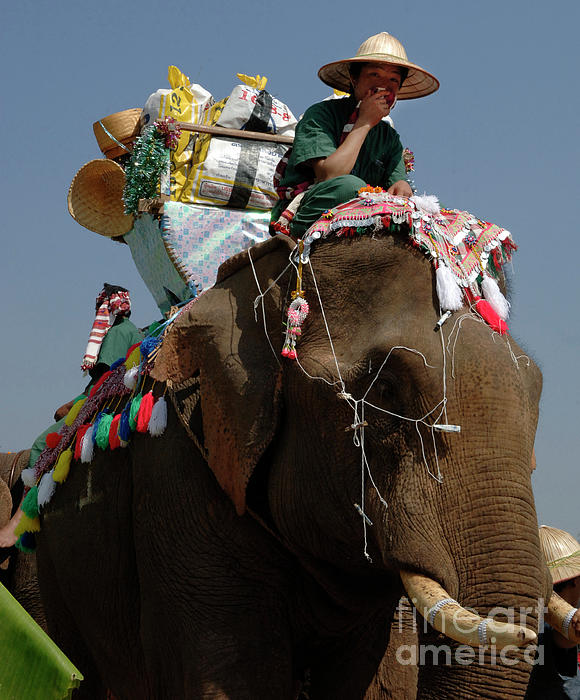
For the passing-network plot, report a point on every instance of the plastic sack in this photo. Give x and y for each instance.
(185, 102)
(236, 173)
(252, 108)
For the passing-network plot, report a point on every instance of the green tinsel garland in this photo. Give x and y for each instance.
(143, 171)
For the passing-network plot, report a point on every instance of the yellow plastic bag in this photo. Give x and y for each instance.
(185, 102)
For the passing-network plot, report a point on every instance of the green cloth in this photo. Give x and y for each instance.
(40, 443)
(318, 134)
(118, 340)
(32, 666)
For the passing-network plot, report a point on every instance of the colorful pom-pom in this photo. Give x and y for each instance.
(28, 477)
(26, 542)
(114, 441)
(134, 410)
(82, 429)
(74, 412)
(62, 466)
(158, 420)
(97, 385)
(130, 378)
(102, 432)
(145, 410)
(133, 357)
(27, 524)
(52, 440)
(46, 489)
(124, 424)
(30, 503)
(117, 363)
(87, 445)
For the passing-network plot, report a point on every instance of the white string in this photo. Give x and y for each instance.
(260, 299)
(326, 325)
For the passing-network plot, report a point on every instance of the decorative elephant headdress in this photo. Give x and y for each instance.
(221, 339)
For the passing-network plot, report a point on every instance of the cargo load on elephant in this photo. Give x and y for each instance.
(187, 181)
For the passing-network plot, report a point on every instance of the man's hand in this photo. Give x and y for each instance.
(373, 107)
(401, 188)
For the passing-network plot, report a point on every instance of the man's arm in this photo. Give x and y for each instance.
(372, 109)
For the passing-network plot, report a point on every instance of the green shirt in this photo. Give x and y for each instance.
(118, 340)
(318, 134)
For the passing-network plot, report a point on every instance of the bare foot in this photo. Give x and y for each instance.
(7, 536)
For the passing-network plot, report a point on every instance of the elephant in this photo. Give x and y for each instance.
(260, 545)
(18, 573)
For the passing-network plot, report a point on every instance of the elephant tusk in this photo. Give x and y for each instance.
(559, 616)
(446, 615)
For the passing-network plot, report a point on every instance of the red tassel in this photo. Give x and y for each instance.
(145, 409)
(79, 440)
(114, 440)
(52, 440)
(98, 384)
(485, 310)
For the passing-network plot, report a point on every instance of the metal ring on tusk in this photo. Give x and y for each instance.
(437, 607)
(567, 620)
(482, 631)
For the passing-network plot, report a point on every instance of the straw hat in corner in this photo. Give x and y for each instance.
(5, 503)
(381, 48)
(95, 198)
(116, 133)
(562, 553)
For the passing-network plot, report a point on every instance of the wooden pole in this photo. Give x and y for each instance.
(235, 133)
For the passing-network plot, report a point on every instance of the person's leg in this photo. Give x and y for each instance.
(322, 196)
(7, 536)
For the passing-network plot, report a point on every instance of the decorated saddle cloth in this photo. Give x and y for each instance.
(467, 245)
(467, 252)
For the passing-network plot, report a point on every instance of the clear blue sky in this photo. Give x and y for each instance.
(500, 139)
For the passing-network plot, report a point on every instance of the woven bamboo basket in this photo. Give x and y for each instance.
(123, 126)
(95, 198)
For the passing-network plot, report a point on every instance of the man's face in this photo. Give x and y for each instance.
(377, 75)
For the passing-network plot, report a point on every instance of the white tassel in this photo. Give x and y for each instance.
(28, 477)
(427, 203)
(46, 489)
(493, 295)
(87, 446)
(448, 290)
(158, 420)
(130, 378)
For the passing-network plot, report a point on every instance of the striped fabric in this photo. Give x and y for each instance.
(109, 306)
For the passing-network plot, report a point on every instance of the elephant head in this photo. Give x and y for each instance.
(389, 448)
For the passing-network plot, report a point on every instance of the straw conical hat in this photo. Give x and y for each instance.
(95, 198)
(381, 48)
(5, 503)
(562, 553)
(119, 128)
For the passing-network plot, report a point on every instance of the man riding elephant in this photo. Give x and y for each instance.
(342, 145)
(111, 335)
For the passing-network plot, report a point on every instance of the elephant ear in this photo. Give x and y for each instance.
(5, 503)
(236, 359)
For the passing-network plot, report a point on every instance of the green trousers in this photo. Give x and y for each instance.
(322, 196)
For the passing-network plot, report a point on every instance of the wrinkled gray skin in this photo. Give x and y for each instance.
(169, 576)
(19, 574)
